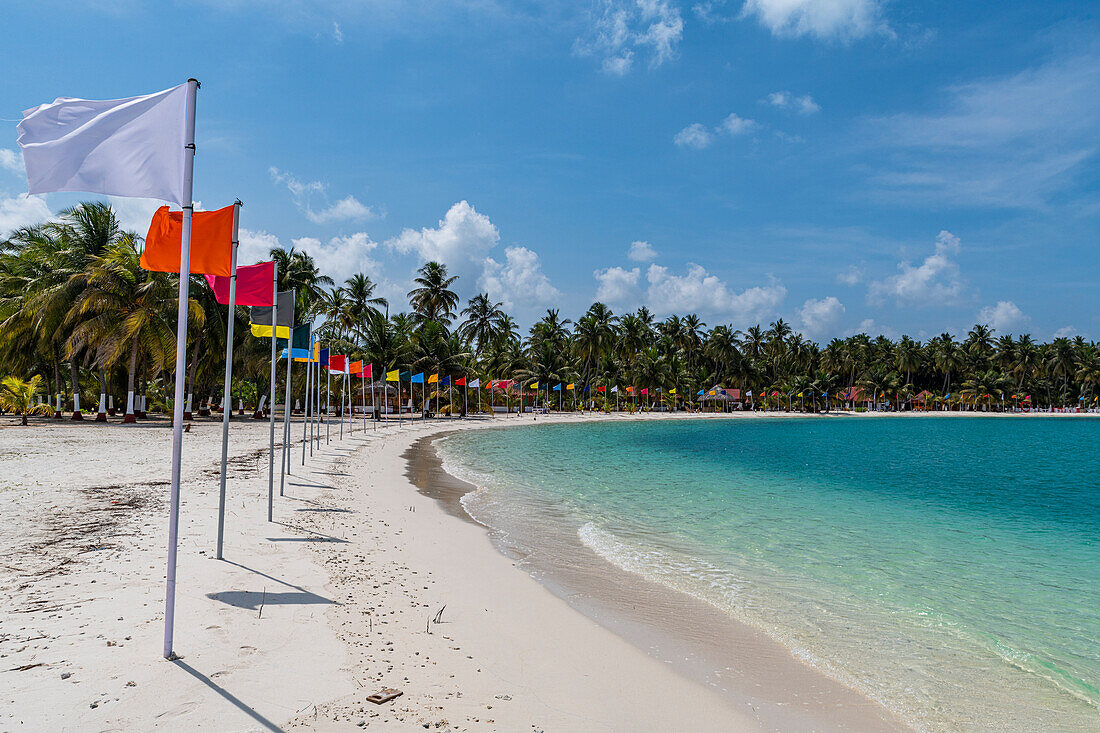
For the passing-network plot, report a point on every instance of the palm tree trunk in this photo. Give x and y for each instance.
(129, 416)
(75, 374)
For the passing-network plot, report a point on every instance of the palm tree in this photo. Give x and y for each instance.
(125, 311)
(432, 299)
(18, 397)
(483, 321)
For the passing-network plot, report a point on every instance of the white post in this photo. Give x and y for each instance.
(227, 398)
(271, 421)
(181, 365)
(328, 399)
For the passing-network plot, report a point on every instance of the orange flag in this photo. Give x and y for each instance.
(211, 242)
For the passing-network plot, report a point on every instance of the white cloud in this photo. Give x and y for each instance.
(803, 105)
(699, 291)
(823, 19)
(694, 136)
(869, 327)
(346, 209)
(935, 281)
(1004, 316)
(627, 27)
(11, 160)
(337, 34)
(22, 210)
(1065, 332)
(821, 317)
(1012, 141)
(618, 286)
(255, 246)
(641, 251)
(736, 125)
(343, 256)
(519, 280)
(852, 276)
(134, 215)
(462, 240)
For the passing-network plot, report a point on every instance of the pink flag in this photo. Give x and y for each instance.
(254, 285)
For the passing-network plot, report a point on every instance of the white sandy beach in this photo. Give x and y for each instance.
(309, 615)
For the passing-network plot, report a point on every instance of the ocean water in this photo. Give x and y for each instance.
(947, 567)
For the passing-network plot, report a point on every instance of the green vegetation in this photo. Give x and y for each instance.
(74, 301)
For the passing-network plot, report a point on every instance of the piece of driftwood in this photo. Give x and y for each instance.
(384, 695)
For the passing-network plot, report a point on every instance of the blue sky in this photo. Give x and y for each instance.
(844, 164)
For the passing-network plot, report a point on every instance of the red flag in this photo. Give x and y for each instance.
(601, 389)
(368, 371)
(336, 363)
(211, 242)
(460, 382)
(254, 285)
(645, 391)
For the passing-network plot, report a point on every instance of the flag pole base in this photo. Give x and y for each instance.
(101, 417)
(77, 416)
(127, 419)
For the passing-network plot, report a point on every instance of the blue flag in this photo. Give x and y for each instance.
(558, 388)
(445, 382)
(324, 357)
(417, 378)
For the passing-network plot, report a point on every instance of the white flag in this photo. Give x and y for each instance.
(475, 383)
(614, 389)
(119, 147)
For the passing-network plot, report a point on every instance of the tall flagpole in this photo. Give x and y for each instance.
(286, 406)
(274, 363)
(328, 398)
(181, 363)
(305, 398)
(227, 406)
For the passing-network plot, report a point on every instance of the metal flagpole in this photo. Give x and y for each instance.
(181, 363)
(328, 399)
(227, 398)
(343, 395)
(286, 407)
(305, 397)
(274, 363)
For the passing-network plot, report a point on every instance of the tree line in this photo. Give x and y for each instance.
(79, 313)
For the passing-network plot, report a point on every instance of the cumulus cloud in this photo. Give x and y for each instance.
(641, 252)
(255, 246)
(304, 192)
(695, 136)
(1004, 316)
(852, 276)
(869, 327)
(22, 210)
(803, 105)
(343, 256)
(618, 286)
(625, 28)
(462, 240)
(1066, 332)
(935, 281)
(821, 317)
(11, 160)
(735, 125)
(519, 280)
(823, 19)
(699, 291)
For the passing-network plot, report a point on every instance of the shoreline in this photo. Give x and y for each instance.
(336, 599)
(745, 667)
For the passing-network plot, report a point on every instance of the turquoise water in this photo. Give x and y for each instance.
(948, 567)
